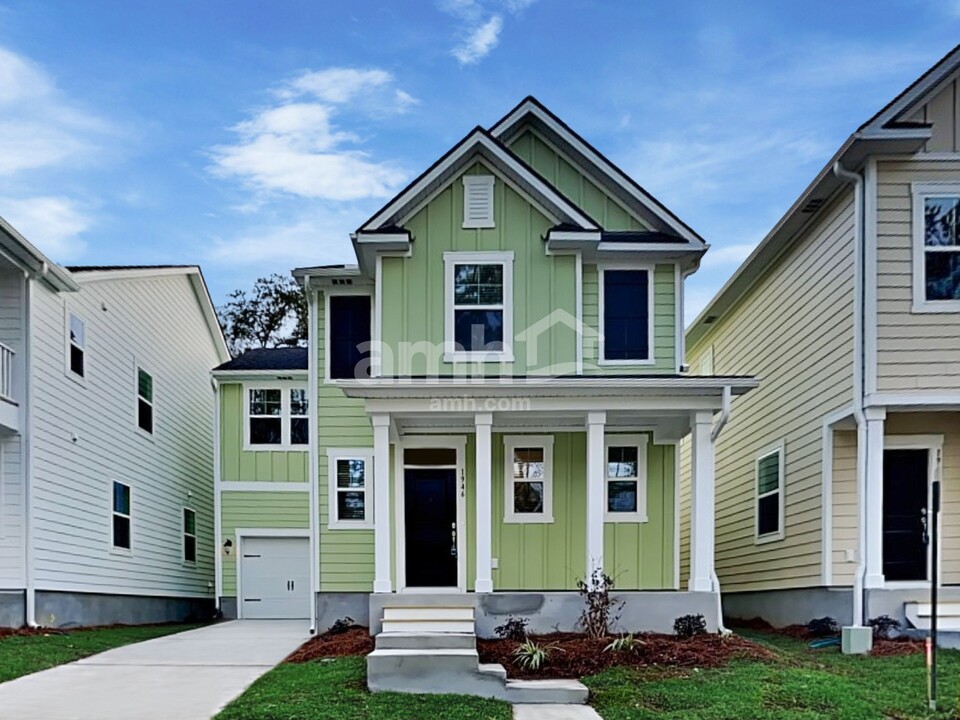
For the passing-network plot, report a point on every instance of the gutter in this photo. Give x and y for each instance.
(30, 592)
(859, 244)
(714, 434)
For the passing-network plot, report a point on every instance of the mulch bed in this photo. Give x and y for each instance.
(355, 641)
(37, 631)
(575, 656)
(883, 647)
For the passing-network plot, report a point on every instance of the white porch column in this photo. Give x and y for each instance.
(873, 552)
(702, 515)
(383, 541)
(484, 580)
(596, 477)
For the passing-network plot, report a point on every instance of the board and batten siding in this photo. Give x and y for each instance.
(943, 112)
(794, 331)
(85, 436)
(916, 352)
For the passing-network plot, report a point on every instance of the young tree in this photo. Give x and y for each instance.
(274, 314)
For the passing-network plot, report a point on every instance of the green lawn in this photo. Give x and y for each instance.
(803, 684)
(25, 654)
(336, 690)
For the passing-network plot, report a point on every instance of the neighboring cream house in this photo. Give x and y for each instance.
(849, 314)
(106, 456)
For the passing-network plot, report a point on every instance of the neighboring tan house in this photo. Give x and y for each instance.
(849, 314)
(106, 462)
(450, 464)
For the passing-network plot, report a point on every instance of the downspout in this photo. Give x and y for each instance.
(313, 390)
(217, 501)
(721, 423)
(859, 244)
(30, 592)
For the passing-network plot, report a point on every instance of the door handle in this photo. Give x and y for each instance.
(293, 585)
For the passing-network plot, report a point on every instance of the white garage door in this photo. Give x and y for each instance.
(275, 578)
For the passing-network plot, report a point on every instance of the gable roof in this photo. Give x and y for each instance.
(531, 111)
(884, 133)
(282, 358)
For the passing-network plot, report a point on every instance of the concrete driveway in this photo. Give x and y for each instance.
(187, 676)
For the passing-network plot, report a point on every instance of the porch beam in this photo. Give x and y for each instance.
(596, 422)
(381, 503)
(873, 552)
(702, 507)
(484, 426)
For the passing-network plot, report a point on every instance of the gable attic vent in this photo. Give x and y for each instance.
(342, 281)
(709, 319)
(478, 201)
(812, 205)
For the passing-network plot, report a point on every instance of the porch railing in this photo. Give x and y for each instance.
(6, 373)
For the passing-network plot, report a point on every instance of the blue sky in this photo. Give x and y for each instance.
(251, 137)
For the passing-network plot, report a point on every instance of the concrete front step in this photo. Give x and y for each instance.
(412, 625)
(553, 692)
(425, 641)
(948, 615)
(414, 612)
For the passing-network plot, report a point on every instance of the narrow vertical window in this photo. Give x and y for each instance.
(626, 316)
(478, 307)
(299, 422)
(144, 400)
(626, 478)
(349, 336)
(350, 481)
(78, 344)
(121, 515)
(769, 485)
(189, 535)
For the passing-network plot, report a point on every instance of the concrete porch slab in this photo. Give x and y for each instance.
(554, 712)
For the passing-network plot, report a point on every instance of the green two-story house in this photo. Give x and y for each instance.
(489, 407)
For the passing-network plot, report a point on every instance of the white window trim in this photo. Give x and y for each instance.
(487, 181)
(777, 449)
(922, 191)
(137, 367)
(114, 548)
(651, 314)
(333, 455)
(332, 292)
(451, 259)
(184, 535)
(285, 386)
(639, 442)
(67, 344)
(511, 443)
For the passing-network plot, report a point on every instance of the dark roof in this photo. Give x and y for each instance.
(287, 358)
(641, 236)
(100, 268)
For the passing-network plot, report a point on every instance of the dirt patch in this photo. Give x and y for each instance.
(575, 656)
(31, 632)
(897, 646)
(355, 641)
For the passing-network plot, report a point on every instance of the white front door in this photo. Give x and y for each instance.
(274, 578)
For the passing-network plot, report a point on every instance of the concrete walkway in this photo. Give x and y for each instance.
(554, 712)
(187, 676)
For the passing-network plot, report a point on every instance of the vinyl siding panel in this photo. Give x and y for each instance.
(794, 330)
(844, 495)
(12, 574)
(915, 351)
(85, 436)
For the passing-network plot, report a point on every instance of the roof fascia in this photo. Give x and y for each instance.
(28, 258)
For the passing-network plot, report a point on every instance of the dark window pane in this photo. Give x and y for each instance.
(145, 416)
(478, 330)
(299, 431)
(626, 315)
(266, 402)
(189, 548)
(622, 461)
(265, 431)
(351, 473)
(76, 360)
(298, 402)
(478, 284)
(768, 474)
(350, 336)
(430, 456)
(941, 221)
(145, 385)
(943, 275)
(350, 505)
(121, 498)
(190, 522)
(622, 496)
(768, 514)
(528, 497)
(78, 332)
(121, 532)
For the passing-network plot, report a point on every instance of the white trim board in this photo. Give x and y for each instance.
(244, 486)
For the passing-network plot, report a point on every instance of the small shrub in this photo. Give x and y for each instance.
(624, 643)
(532, 656)
(687, 626)
(823, 627)
(601, 609)
(513, 629)
(884, 627)
(340, 626)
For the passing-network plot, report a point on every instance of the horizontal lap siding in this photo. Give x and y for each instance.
(794, 331)
(11, 514)
(85, 437)
(844, 491)
(915, 351)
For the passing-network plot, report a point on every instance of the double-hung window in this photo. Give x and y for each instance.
(120, 518)
(348, 337)
(350, 478)
(936, 255)
(144, 400)
(189, 535)
(769, 486)
(76, 346)
(528, 472)
(277, 417)
(626, 316)
(625, 486)
(479, 306)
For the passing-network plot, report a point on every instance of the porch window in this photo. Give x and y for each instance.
(189, 535)
(77, 346)
(769, 484)
(626, 479)
(479, 306)
(120, 530)
(277, 417)
(144, 400)
(350, 477)
(626, 302)
(936, 257)
(528, 471)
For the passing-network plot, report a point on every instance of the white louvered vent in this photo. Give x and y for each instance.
(478, 201)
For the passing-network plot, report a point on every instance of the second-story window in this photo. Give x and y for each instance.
(144, 400)
(277, 418)
(937, 247)
(77, 346)
(479, 305)
(626, 316)
(349, 337)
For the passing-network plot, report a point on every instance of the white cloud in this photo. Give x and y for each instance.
(480, 25)
(53, 224)
(480, 42)
(296, 147)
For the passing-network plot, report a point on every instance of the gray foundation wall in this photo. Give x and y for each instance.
(891, 602)
(13, 608)
(68, 609)
(790, 607)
